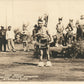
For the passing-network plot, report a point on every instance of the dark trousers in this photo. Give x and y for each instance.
(64, 42)
(2, 42)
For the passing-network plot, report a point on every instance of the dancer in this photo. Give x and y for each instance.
(43, 41)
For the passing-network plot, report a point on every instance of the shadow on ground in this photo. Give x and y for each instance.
(33, 64)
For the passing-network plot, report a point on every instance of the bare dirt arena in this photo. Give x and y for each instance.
(22, 66)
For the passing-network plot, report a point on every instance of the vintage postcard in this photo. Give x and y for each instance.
(41, 41)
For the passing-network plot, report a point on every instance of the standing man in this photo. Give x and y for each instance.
(10, 36)
(59, 29)
(2, 38)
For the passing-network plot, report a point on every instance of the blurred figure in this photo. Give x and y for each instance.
(17, 38)
(69, 30)
(2, 38)
(40, 19)
(10, 36)
(35, 30)
(54, 40)
(59, 29)
(25, 38)
(74, 34)
(79, 30)
(64, 37)
(46, 20)
(81, 25)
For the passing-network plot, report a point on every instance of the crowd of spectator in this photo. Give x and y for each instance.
(64, 35)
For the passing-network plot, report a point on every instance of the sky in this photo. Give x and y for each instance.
(17, 12)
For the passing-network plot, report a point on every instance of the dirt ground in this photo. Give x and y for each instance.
(22, 66)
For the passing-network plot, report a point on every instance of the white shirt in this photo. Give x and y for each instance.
(10, 34)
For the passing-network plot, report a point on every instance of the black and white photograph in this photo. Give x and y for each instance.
(41, 40)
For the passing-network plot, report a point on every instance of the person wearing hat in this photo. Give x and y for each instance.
(10, 36)
(3, 38)
(81, 24)
(59, 30)
(43, 39)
